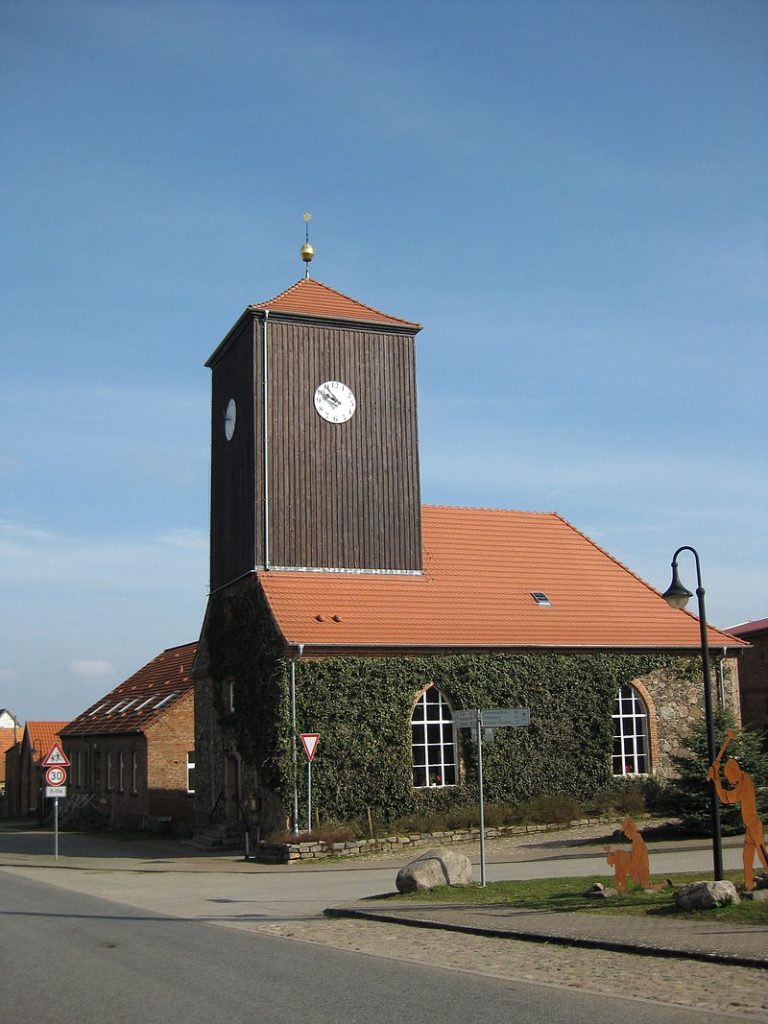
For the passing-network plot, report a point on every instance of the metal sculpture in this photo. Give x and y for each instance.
(632, 863)
(741, 789)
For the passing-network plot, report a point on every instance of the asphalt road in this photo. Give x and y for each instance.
(71, 958)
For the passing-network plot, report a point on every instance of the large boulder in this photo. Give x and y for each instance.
(706, 895)
(441, 866)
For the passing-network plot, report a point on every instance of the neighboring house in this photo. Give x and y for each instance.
(131, 752)
(335, 593)
(24, 781)
(753, 675)
(10, 735)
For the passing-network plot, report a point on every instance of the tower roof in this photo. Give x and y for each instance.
(312, 298)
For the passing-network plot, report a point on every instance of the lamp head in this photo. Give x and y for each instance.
(676, 595)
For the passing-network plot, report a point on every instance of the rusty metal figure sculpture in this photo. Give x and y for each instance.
(741, 789)
(632, 863)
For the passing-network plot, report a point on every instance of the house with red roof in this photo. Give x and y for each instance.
(131, 752)
(10, 737)
(341, 606)
(24, 769)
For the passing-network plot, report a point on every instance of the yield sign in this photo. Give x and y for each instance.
(310, 741)
(56, 756)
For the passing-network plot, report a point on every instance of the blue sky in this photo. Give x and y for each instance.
(570, 195)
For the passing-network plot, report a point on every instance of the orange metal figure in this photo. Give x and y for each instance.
(630, 863)
(742, 790)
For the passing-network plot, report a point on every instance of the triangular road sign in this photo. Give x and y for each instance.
(56, 756)
(310, 741)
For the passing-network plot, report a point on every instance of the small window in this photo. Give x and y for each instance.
(120, 771)
(433, 746)
(541, 599)
(109, 771)
(190, 771)
(630, 734)
(229, 695)
(168, 697)
(134, 772)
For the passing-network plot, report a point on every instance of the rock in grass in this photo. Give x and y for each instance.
(598, 891)
(706, 895)
(440, 866)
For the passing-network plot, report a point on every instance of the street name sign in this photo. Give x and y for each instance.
(493, 718)
(56, 756)
(55, 792)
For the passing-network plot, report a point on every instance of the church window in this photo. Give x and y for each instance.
(630, 734)
(433, 742)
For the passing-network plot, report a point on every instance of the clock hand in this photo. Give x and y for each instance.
(331, 397)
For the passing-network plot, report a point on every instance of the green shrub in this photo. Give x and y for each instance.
(551, 809)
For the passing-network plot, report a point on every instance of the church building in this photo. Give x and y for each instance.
(341, 606)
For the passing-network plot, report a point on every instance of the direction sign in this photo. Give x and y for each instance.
(465, 719)
(56, 756)
(56, 776)
(55, 791)
(310, 741)
(501, 718)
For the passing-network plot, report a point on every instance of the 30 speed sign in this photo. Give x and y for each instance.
(56, 776)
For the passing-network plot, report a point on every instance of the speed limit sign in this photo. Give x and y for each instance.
(56, 776)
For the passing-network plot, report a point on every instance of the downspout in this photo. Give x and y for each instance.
(265, 433)
(721, 678)
(300, 651)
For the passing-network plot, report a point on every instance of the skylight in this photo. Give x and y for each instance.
(165, 699)
(541, 599)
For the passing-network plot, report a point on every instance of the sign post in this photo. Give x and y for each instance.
(481, 721)
(55, 763)
(309, 741)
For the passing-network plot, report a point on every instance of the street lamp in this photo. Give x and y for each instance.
(677, 596)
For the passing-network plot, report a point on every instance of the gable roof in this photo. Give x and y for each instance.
(312, 298)
(147, 694)
(481, 567)
(41, 736)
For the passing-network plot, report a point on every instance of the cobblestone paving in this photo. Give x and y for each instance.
(738, 991)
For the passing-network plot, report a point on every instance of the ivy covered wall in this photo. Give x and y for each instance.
(362, 709)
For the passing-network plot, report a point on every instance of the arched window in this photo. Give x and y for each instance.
(630, 734)
(433, 744)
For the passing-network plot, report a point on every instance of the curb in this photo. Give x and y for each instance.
(732, 960)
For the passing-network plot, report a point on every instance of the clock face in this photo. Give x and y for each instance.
(335, 401)
(230, 417)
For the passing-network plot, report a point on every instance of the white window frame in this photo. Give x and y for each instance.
(631, 753)
(191, 759)
(120, 771)
(134, 772)
(109, 771)
(434, 759)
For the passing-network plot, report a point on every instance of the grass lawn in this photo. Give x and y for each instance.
(567, 894)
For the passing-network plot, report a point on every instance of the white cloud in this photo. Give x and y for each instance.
(7, 673)
(91, 669)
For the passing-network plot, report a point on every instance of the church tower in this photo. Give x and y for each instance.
(314, 439)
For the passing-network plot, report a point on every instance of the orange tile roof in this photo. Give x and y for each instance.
(42, 736)
(312, 298)
(132, 705)
(480, 568)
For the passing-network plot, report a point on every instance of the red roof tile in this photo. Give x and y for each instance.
(748, 628)
(312, 298)
(480, 569)
(132, 705)
(42, 736)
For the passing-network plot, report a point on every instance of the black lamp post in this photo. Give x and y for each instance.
(677, 596)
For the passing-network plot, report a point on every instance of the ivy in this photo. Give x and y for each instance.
(362, 709)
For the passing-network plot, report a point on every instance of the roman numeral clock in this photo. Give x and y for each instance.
(314, 439)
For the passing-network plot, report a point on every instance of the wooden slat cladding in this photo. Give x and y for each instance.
(236, 511)
(343, 495)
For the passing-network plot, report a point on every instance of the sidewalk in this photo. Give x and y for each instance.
(737, 945)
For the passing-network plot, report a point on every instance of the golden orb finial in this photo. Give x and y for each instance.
(307, 251)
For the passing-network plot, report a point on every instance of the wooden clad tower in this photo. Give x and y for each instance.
(314, 439)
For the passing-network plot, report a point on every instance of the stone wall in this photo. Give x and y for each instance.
(675, 702)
